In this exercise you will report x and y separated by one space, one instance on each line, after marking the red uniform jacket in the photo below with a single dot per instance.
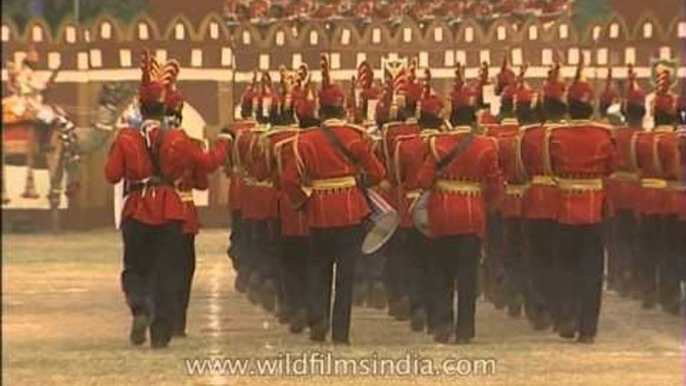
389 136
266 172
410 152
293 222
197 179
234 171
581 154
654 195
540 201
672 151
506 127
510 159
462 190
623 186
129 159
249 154
320 165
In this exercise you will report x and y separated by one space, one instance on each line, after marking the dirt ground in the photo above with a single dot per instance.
65 323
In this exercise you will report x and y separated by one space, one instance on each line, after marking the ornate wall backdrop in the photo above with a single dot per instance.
217 64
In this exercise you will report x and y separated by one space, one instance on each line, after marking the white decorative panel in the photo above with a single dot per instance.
533 32
179 31
106 30
438 34
196 58
37 33
143 31
227 56
125 58
449 58
96 58
214 30
54 60
469 34
264 62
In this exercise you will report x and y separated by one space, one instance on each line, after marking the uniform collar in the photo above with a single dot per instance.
334 122
664 128
510 121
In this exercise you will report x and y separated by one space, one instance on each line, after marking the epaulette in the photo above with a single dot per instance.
555 125
510 121
427 133
457 130
406 137
389 125
530 126
280 143
664 128
279 129
358 128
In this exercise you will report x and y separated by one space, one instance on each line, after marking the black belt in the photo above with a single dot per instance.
138 186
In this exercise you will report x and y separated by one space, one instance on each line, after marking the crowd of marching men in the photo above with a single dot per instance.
440 199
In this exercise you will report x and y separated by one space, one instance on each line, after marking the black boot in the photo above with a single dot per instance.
139 328
418 320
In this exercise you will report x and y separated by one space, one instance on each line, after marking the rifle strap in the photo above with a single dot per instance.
460 148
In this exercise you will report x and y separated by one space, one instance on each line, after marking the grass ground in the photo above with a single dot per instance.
65 323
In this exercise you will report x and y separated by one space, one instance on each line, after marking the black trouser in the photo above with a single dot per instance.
493 271
235 250
542 267
651 253
150 279
456 258
678 237
514 262
625 245
186 282
263 249
248 258
295 252
670 266
581 255
338 246
397 266
420 276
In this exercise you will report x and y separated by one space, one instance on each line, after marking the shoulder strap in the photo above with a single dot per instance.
338 145
461 146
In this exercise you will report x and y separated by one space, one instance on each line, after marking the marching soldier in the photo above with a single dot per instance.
655 277
581 153
615 266
409 153
509 156
329 160
501 290
403 122
239 238
672 152
264 281
623 188
540 200
151 162
193 178
266 172
463 175
295 245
